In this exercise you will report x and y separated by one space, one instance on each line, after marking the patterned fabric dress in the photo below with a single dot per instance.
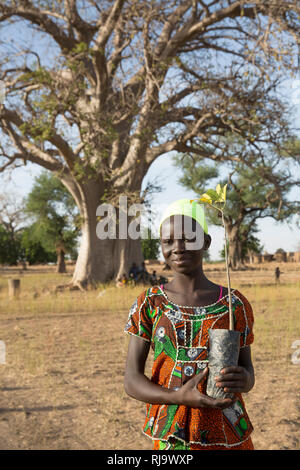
179 338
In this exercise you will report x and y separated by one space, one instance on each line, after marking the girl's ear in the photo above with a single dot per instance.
207 241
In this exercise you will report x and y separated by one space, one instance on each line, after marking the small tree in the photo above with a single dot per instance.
12 219
10 248
32 249
217 200
54 211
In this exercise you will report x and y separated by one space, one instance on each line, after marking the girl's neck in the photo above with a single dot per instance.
189 283
193 291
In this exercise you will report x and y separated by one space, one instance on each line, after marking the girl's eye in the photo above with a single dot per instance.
190 240
166 241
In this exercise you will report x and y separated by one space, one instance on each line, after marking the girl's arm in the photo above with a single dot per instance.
138 386
238 379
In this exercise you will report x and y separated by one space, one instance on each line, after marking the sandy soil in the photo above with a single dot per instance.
62 387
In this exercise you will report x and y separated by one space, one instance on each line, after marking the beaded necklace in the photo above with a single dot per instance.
189 306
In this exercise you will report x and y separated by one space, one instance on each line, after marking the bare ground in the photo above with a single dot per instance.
62 386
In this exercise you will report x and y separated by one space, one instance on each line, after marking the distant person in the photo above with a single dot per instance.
277 275
162 280
143 274
153 278
133 272
122 281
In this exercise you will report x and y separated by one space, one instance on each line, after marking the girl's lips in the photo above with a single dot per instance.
182 260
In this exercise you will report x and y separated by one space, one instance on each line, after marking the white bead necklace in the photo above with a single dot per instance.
194 307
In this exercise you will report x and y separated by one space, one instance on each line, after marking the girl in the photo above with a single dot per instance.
174 319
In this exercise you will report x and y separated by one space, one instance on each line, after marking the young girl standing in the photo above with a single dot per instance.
174 320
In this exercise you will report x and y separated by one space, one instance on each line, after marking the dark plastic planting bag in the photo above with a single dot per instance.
224 348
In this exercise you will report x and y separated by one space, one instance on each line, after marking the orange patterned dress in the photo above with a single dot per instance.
179 338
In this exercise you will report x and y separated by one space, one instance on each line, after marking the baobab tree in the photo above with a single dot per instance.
125 81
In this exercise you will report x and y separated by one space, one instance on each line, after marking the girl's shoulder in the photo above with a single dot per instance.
152 295
239 301
244 306
241 297
143 312
235 293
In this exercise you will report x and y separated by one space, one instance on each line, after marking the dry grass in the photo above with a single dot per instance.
62 384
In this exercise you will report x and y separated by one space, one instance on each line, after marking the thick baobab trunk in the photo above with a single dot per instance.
234 251
102 260
234 256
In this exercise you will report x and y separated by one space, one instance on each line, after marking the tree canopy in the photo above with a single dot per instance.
55 217
21 241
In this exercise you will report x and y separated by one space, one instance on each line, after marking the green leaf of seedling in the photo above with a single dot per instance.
213 194
221 192
218 189
224 193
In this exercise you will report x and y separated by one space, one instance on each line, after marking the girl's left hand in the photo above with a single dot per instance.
235 379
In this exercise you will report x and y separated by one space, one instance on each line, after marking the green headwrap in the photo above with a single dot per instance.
186 207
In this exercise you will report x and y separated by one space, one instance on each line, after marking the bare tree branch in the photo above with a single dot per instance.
39 18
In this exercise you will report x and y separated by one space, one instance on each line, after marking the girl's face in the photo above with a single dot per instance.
183 243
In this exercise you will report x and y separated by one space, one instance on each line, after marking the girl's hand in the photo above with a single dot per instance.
235 379
190 396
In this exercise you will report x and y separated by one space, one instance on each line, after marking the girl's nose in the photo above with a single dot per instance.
179 245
